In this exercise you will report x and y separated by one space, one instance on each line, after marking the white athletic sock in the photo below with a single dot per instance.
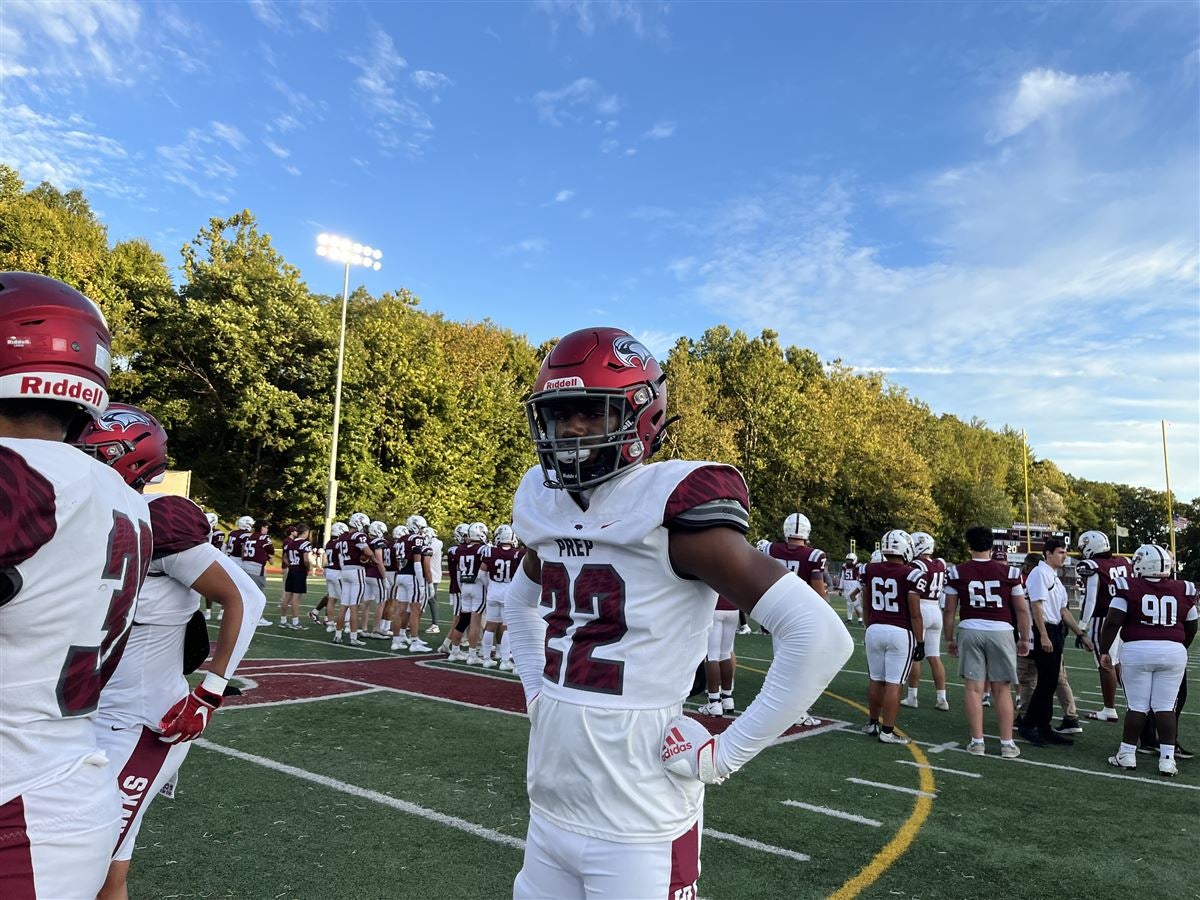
295 620
941 695
912 693
1128 748
489 640
283 620
1108 712
714 698
1166 751
505 653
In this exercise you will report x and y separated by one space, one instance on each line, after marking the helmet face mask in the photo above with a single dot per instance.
378 529
415 523
360 521
598 407
922 543
460 532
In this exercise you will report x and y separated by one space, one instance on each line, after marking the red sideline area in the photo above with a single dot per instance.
290 679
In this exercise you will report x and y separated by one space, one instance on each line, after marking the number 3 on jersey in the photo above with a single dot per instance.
594 616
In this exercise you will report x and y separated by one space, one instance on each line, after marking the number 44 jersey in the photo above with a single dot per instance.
74 546
624 634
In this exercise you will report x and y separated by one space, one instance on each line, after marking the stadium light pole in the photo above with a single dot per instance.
348 253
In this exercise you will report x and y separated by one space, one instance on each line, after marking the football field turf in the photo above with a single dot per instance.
356 773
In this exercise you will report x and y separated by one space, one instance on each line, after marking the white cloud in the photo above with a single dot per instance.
661 131
399 123
196 163
631 151
281 17
291 170
432 82
68 153
229 134
281 152
527 246
555 106
67 41
1044 94
643 19
563 196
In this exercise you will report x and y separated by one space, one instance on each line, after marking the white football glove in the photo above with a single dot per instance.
430 591
688 750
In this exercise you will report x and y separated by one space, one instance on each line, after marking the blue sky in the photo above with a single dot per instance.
997 205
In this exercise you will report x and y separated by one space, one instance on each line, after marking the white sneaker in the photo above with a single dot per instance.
296 626
976 748
506 666
809 721
891 738
419 646
208 615
711 709
264 623
871 728
745 629
445 648
943 705
1167 767
727 704
911 704
330 628
455 655
473 659
490 664
397 644
1010 751
337 637
383 636
355 642
433 629
1123 760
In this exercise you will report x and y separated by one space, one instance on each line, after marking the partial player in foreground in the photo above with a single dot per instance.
617 548
147 717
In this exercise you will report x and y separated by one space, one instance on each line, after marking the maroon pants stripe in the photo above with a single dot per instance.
16 857
685 864
138 775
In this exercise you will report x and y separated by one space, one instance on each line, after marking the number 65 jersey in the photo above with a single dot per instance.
74 546
624 634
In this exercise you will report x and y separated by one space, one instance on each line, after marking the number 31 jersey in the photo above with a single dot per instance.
74 547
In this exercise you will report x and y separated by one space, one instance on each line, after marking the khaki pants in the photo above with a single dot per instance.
1027 681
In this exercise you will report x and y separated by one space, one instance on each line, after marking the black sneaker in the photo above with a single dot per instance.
1050 736
1151 749
1181 753
1069 726
1033 736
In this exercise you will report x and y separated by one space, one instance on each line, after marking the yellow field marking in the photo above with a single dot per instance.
902 839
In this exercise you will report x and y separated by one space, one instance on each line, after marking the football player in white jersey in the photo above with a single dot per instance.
74 547
616 550
147 716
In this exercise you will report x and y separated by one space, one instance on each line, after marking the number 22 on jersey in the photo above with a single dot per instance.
592 612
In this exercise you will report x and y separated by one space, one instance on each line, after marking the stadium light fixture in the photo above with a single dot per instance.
349 253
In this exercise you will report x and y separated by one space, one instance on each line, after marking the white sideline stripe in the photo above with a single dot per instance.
326 643
301 700
403 806
893 787
836 813
909 762
755 845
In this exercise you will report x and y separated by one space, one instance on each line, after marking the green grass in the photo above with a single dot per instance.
238 829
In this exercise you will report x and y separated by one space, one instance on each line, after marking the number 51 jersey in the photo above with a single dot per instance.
74 546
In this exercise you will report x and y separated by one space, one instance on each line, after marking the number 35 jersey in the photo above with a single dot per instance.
624 634
74 546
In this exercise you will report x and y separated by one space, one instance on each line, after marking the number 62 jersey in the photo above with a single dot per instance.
624 634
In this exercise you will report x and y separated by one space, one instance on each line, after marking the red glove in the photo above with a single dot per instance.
187 718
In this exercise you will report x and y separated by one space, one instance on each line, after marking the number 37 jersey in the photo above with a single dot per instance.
74 546
623 630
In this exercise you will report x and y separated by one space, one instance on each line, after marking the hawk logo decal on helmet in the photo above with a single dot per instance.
627 348
118 419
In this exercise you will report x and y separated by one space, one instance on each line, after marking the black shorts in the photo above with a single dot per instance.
296 582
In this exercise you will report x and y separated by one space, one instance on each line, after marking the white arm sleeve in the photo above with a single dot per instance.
1089 602
811 645
526 631
253 602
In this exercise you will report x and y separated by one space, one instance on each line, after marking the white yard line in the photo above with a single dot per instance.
836 813
751 844
301 700
893 787
909 762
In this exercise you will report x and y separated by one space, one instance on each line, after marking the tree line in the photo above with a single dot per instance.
238 362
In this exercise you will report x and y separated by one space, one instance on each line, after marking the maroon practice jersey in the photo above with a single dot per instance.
333 557
257 548
385 553
1097 576
501 562
1155 608
725 603
887 585
985 588
353 547
452 564
295 553
469 561
807 562
216 537
932 580
234 545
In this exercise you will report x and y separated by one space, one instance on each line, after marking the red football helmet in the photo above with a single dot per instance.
597 372
54 343
130 440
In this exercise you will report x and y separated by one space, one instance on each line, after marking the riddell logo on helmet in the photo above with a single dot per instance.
555 384
66 387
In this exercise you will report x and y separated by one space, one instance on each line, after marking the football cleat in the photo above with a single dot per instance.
490 664
1167 767
942 704
337 637
397 644
745 629
727 704
355 642
419 646
506 666
871 728
474 660
711 709
890 737
808 721
433 629
1123 761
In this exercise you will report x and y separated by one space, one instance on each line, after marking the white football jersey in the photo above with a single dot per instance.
624 636
149 677
74 546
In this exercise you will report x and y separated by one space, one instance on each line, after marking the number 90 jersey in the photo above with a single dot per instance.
623 630
74 547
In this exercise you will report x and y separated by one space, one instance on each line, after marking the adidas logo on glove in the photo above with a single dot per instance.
688 750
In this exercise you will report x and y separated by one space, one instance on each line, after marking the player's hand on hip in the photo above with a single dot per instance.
188 717
690 751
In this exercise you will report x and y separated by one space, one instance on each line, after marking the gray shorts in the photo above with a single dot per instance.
987 655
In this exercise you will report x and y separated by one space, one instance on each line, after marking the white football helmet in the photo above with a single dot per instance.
400 531
852 557
415 523
378 529
477 532
762 546
1152 561
245 523
212 519
922 543
360 521
505 535
337 529
1093 543
876 556
460 532
428 535
897 542
797 525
